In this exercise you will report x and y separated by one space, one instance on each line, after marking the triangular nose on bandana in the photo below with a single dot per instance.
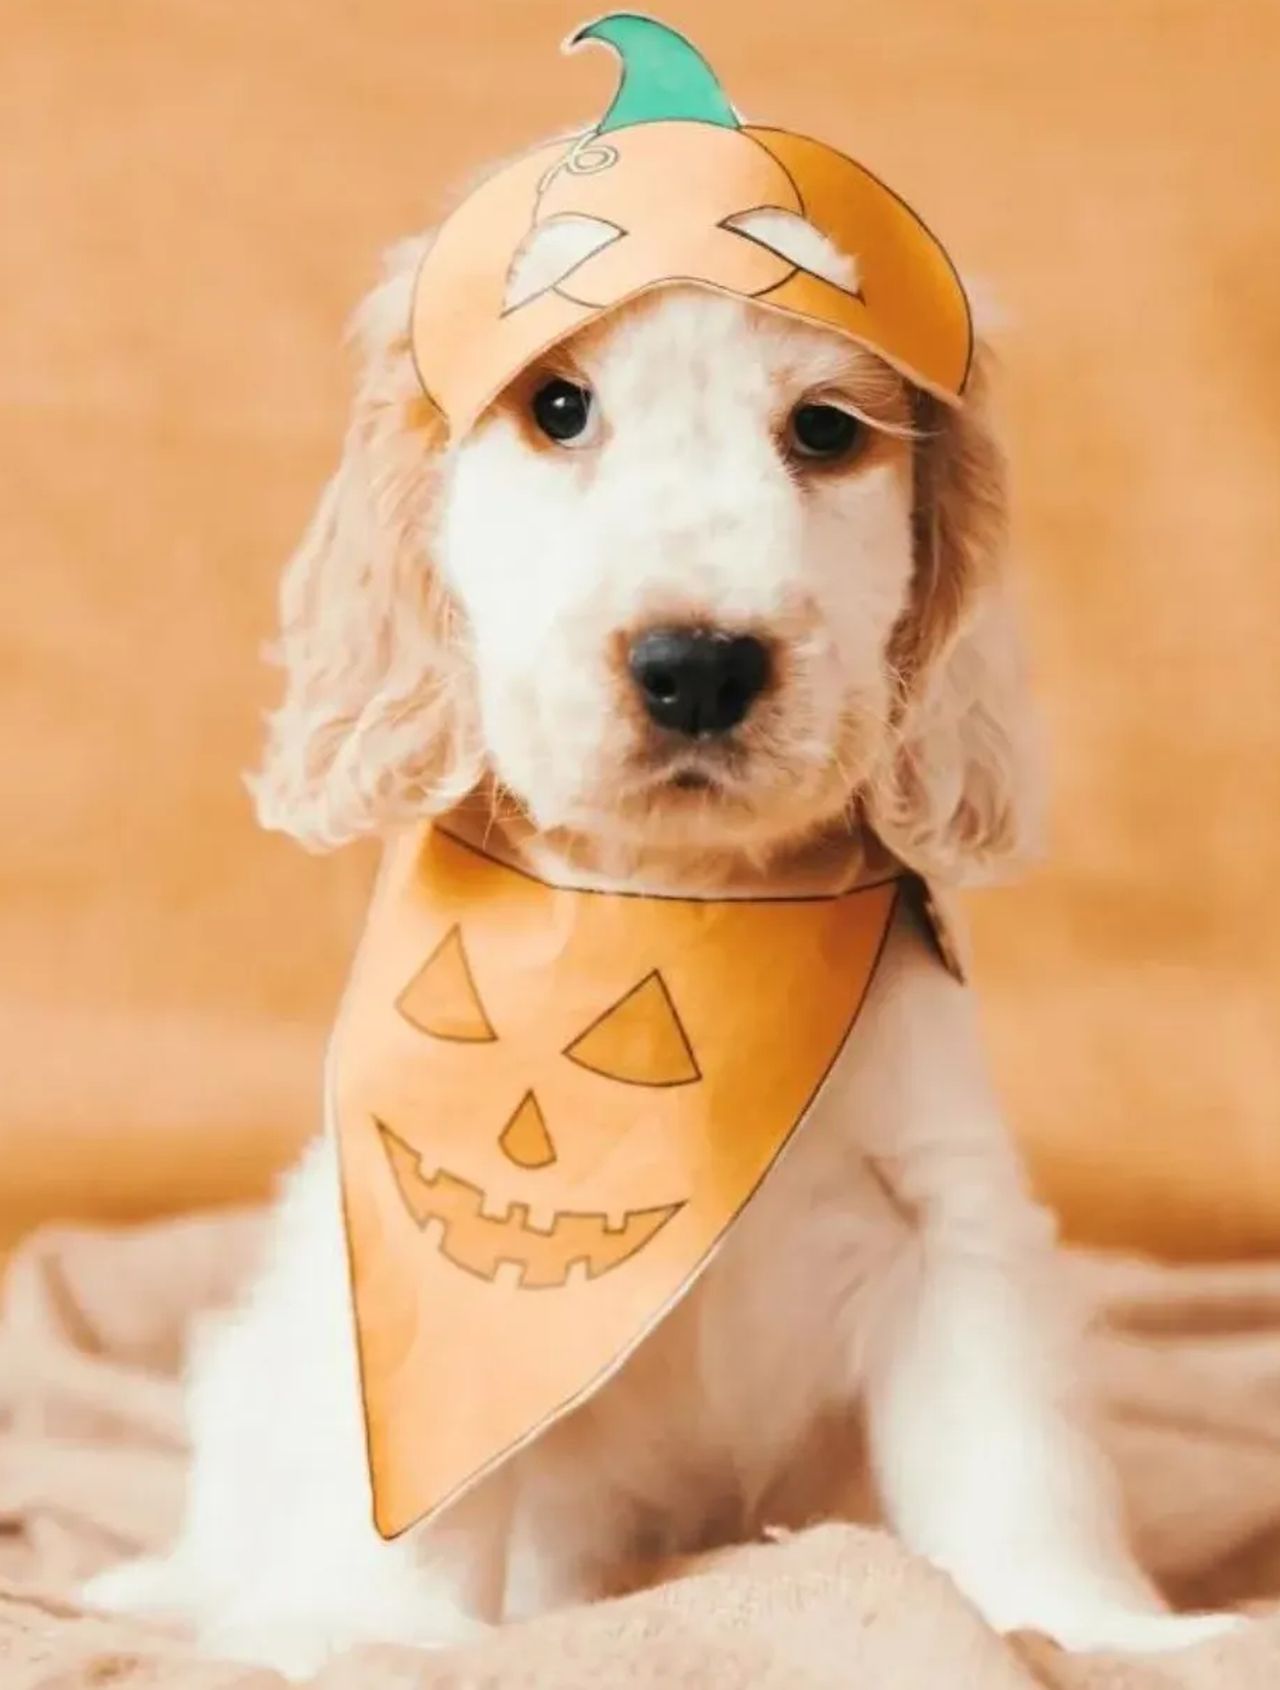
551 1105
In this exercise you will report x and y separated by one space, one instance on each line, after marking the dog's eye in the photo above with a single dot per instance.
564 412
823 431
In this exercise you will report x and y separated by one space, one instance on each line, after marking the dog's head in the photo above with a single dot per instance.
706 578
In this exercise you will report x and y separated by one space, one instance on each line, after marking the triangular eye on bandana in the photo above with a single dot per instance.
672 187
441 999
551 1105
639 1040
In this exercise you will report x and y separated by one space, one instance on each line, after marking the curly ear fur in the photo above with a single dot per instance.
359 741
953 798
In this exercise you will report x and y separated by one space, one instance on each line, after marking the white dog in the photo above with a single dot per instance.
461 620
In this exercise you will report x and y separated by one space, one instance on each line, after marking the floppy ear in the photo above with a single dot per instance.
377 722
955 797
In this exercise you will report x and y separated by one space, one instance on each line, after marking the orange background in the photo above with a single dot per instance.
193 197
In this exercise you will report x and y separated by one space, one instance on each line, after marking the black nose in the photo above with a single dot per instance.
697 681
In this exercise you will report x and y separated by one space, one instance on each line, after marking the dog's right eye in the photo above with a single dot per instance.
824 432
564 412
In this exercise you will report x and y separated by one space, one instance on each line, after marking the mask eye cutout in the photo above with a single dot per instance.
639 1040
551 252
441 999
800 243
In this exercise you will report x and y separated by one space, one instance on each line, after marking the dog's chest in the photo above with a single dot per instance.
706 1428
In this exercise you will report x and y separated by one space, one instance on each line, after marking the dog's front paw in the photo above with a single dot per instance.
144 1589
1121 1632
295 1641
295 1652
298 1646
1087 1618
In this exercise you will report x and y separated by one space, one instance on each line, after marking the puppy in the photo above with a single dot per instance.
458 622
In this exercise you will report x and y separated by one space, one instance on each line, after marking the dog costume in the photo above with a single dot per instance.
552 1102
661 191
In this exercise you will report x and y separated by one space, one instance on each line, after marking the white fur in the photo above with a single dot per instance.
893 1266
691 515
552 250
795 238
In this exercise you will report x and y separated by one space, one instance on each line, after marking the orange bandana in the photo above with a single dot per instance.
551 1105
666 189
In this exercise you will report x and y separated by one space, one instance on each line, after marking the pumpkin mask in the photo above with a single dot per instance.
669 188
551 1104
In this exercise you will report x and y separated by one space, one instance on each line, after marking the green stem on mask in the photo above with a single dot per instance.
664 78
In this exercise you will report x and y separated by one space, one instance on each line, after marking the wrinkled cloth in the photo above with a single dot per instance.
92 1455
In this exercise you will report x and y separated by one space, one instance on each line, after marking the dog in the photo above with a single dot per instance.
463 620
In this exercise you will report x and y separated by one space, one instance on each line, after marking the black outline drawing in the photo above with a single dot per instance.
545 1162
896 872
489 1036
515 1224
622 1079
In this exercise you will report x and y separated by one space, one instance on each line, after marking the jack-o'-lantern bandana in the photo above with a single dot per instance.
551 1105
668 188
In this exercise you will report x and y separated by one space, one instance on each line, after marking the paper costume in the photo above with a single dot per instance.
662 191
551 1105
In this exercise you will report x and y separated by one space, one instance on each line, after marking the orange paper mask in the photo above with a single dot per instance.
662 191
550 1106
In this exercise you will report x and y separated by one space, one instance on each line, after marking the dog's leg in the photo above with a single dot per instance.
984 1462
278 1562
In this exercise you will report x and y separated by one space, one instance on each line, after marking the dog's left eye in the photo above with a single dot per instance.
565 412
823 431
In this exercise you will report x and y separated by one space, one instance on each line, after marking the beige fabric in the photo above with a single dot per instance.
91 1461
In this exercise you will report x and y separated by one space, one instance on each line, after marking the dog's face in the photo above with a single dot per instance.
704 581
681 548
